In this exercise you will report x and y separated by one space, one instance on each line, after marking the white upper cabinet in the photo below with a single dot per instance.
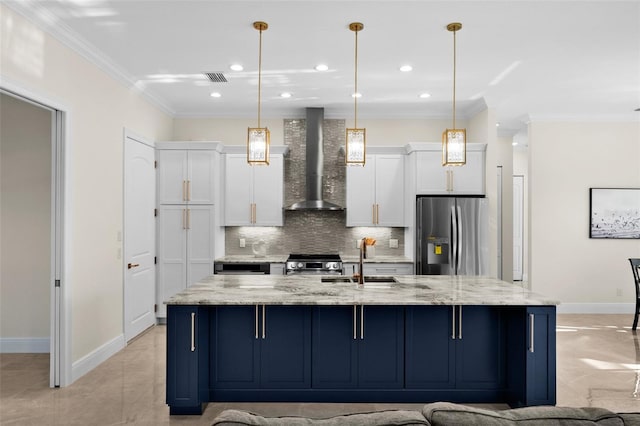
254 195
433 178
375 192
186 176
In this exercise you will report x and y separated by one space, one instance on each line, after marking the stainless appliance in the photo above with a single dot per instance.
235 268
320 264
452 236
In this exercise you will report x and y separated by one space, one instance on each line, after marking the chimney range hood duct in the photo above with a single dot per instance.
314 167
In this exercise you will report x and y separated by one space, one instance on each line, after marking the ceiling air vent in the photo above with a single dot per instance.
216 77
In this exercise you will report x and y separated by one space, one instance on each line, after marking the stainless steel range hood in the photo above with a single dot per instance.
314 171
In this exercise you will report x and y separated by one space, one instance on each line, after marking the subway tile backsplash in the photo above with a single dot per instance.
313 231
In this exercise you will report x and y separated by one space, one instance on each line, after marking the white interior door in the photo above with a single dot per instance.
139 237
518 227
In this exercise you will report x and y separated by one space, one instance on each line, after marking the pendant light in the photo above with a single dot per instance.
355 147
258 138
454 141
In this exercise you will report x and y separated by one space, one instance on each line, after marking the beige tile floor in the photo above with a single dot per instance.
598 365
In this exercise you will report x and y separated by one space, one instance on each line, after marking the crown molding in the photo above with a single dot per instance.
631 117
46 21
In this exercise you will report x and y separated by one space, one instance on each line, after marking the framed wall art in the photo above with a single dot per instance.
614 212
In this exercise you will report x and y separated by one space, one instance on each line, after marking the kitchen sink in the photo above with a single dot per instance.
379 279
335 280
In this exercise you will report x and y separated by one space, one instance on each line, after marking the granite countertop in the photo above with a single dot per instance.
309 290
282 258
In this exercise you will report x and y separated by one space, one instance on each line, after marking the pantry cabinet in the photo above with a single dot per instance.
254 195
375 191
188 176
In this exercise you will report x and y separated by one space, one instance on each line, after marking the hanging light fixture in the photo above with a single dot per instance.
258 138
356 138
454 141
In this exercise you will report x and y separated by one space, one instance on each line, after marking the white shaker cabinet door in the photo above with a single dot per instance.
361 193
238 194
172 176
172 253
201 177
469 179
390 190
431 175
199 243
268 192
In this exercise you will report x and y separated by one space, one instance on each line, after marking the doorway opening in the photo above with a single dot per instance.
33 313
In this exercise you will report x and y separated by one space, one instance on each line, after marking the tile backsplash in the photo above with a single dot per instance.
313 231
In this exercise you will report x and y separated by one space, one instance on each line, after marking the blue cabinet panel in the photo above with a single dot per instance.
186 343
430 347
541 356
235 358
334 354
285 352
481 348
381 348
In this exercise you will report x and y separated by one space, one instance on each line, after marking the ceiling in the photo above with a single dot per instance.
569 60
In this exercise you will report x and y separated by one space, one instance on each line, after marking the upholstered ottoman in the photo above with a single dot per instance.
376 418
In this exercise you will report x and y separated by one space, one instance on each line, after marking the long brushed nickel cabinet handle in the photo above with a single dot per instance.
256 317
355 321
532 321
193 331
264 317
361 322
460 322
453 322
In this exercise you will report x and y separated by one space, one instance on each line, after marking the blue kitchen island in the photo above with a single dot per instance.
418 339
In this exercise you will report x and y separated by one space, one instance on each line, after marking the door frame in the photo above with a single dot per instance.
60 339
129 134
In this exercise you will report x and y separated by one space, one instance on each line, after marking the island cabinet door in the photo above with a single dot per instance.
541 356
480 348
430 347
285 347
334 347
235 341
187 351
381 347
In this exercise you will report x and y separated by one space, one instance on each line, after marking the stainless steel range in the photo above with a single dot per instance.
319 264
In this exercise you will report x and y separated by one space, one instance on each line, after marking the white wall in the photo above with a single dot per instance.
565 160
99 108
25 225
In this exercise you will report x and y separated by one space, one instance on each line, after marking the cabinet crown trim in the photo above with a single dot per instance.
437 146
208 145
242 149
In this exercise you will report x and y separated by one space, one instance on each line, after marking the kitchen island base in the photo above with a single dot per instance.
360 353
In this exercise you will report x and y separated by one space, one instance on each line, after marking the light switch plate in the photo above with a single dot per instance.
393 243
243 243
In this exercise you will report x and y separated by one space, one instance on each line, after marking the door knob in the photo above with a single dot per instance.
132 265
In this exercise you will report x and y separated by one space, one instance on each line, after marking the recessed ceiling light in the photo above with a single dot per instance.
236 67
425 95
285 95
497 124
406 68
215 95
356 95
321 67
514 143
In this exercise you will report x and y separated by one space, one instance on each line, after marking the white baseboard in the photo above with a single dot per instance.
90 361
24 345
596 308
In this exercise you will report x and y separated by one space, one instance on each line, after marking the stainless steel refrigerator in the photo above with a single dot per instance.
452 236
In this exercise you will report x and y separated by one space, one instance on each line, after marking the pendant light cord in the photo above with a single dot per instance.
454 79
260 76
355 95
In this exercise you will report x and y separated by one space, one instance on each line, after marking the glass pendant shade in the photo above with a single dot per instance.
258 140
454 147
355 147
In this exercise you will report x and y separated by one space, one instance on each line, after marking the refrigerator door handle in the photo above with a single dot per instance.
454 237
460 239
